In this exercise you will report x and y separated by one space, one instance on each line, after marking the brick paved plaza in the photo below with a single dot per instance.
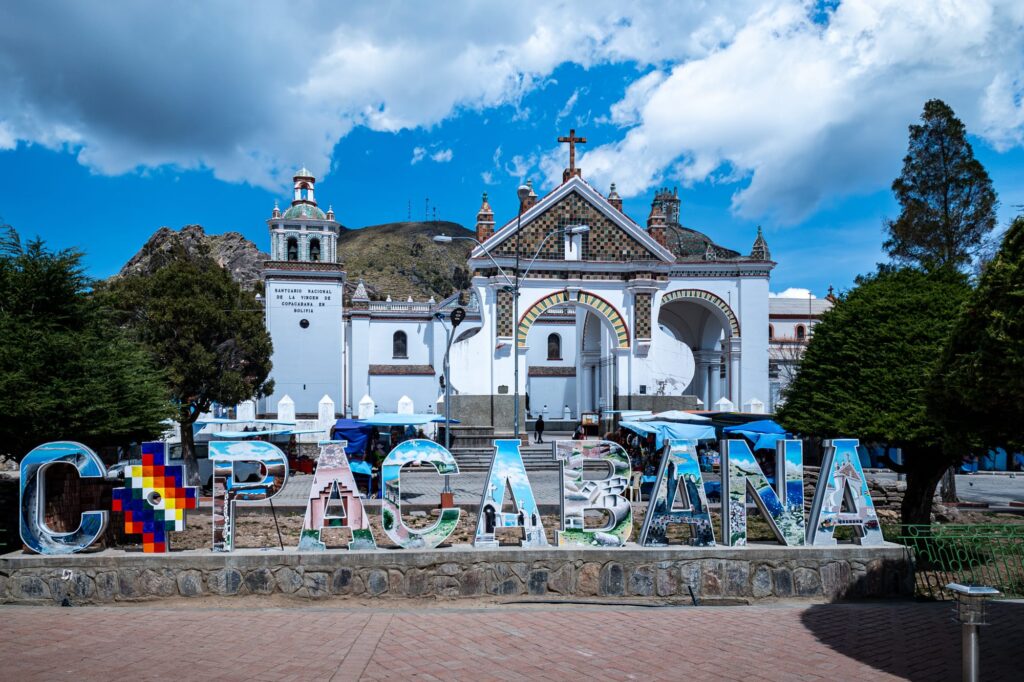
252 640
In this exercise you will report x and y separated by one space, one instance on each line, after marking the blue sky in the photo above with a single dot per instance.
763 113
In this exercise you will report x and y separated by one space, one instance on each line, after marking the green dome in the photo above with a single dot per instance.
304 211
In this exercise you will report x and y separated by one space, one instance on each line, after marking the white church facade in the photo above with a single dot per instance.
611 315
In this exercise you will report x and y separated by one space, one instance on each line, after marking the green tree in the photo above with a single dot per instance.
204 329
978 394
67 372
947 204
867 367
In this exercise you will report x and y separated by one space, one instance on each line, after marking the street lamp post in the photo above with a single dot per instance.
514 282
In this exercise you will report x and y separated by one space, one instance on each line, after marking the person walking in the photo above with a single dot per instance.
538 429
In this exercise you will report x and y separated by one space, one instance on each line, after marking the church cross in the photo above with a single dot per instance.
572 140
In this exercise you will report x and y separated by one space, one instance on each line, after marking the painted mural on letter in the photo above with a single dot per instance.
679 481
507 471
408 452
581 492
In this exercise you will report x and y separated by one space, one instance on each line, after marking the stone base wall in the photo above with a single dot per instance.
716 573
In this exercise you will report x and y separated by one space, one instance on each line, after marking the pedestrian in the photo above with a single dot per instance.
538 429
579 433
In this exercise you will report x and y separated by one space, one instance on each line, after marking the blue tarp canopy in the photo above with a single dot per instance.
764 434
395 419
250 434
671 431
355 434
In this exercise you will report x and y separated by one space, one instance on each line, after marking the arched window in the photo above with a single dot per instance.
771 332
314 249
554 347
293 248
801 333
399 345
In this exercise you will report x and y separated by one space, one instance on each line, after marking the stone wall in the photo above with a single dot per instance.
670 573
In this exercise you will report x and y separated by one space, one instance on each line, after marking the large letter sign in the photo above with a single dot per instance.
842 498
34 532
604 494
154 499
409 452
679 478
507 470
333 483
242 470
740 473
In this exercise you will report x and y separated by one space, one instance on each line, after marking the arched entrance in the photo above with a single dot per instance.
570 340
708 325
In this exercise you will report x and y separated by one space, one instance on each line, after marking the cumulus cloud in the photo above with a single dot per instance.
442 156
798 106
793 292
417 155
806 110
250 91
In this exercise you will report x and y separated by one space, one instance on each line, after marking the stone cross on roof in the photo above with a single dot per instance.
572 140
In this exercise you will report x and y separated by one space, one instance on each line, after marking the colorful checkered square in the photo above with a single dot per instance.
154 498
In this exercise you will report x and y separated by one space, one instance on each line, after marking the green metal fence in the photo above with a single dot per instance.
979 554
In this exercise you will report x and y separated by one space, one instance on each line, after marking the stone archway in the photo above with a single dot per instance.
708 298
584 298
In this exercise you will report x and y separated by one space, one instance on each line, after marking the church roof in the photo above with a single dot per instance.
689 244
304 211
595 199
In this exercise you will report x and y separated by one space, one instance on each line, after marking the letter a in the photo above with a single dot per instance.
333 482
842 484
678 477
507 470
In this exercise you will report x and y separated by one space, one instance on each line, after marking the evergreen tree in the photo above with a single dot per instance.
67 372
979 393
947 204
866 370
204 329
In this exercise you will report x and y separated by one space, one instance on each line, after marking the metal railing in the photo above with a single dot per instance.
969 554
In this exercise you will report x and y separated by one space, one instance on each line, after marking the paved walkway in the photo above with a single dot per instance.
246 641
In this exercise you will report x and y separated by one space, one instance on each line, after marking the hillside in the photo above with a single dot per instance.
401 260
395 259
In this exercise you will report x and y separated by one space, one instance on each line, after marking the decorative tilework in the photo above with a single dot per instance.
153 498
605 241
734 323
505 303
642 316
585 298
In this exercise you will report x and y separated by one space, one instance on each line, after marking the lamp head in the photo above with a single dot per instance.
579 229
523 192
442 239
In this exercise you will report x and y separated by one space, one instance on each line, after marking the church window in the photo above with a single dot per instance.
314 249
801 333
399 345
293 248
554 347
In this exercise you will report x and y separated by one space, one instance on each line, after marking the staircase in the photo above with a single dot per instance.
473 447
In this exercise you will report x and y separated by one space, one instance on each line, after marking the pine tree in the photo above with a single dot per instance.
946 198
866 370
67 372
979 393
204 329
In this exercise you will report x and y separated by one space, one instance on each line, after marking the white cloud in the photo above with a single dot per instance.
417 155
442 156
488 178
569 104
751 90
808 111
793 292
136 85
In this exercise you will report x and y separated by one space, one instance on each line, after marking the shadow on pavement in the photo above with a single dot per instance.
920 641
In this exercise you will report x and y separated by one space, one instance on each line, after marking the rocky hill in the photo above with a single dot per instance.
394 259
231 250
402 260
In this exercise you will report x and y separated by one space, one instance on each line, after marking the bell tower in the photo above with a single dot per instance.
304 285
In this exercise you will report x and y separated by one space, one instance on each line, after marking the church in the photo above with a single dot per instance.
611 314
